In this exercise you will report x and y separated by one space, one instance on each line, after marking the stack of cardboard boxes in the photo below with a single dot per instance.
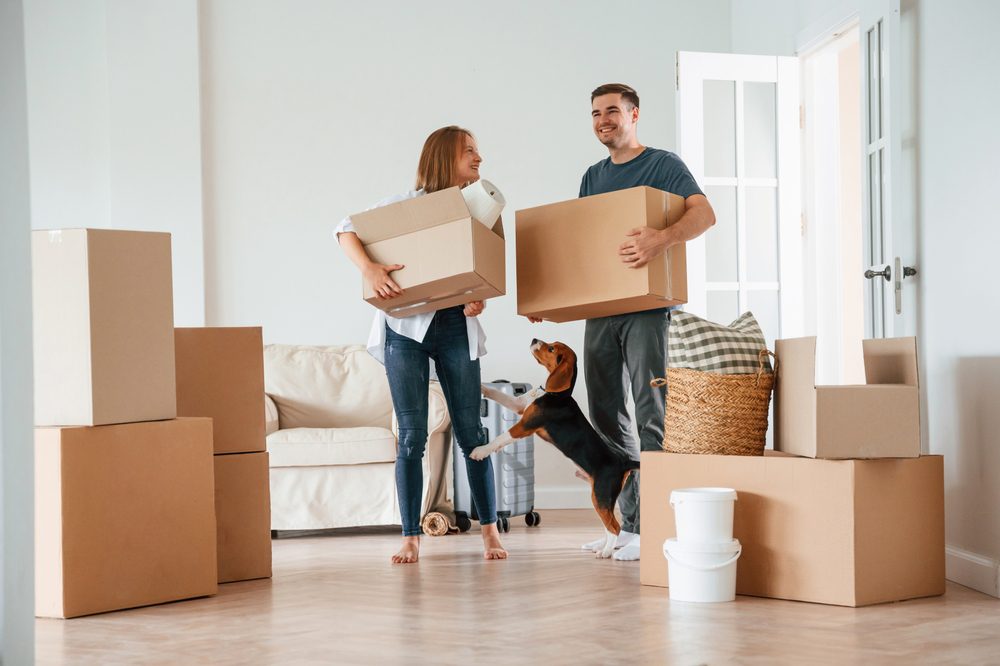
220 373
845 511
125 490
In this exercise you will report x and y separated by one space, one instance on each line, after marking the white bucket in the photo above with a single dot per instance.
702 572
703 515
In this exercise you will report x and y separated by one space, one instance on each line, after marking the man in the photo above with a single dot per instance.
629 350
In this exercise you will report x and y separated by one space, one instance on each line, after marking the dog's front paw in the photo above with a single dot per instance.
480 453
604 553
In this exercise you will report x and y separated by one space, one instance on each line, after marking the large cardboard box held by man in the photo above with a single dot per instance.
879 419
844 532
124 516
568 266
449 258
103 327
243 516
220 374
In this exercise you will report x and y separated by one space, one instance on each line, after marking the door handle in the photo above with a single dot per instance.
884 273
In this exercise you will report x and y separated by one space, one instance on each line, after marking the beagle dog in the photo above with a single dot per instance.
552 414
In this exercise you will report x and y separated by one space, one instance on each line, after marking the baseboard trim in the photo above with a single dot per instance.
972 570
563 497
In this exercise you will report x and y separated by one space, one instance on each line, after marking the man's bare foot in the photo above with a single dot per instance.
408 552
492 548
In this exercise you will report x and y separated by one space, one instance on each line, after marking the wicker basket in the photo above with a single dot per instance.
709 412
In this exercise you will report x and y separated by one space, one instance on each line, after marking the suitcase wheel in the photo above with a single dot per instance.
532 519
462 521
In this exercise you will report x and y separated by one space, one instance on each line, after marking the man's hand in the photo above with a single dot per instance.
377 275
643 245
474 308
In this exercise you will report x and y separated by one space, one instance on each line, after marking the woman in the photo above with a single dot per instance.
451 338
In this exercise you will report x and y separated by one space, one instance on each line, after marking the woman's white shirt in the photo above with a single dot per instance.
415 326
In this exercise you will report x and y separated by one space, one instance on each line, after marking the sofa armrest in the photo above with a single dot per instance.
438 419
270 416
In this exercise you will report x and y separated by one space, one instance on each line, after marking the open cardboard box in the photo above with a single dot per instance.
880 419
449 257
844 532
568 266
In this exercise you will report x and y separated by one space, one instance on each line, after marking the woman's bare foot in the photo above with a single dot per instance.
492 548
408 552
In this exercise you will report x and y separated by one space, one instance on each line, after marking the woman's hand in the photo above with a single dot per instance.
377 275
534 320
474 308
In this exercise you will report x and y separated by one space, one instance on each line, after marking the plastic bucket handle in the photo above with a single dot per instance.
702 567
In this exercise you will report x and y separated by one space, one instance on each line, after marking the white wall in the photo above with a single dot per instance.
17 622
958 144
950 146
315 110
113 97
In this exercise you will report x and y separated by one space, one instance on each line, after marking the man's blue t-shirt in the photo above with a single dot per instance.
652 167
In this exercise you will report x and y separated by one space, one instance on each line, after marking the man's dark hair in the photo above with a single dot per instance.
628 93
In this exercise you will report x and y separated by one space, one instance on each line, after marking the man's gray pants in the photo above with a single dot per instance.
620 353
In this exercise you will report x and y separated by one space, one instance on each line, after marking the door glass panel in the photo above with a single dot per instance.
764 305
720 128
723 306
874 82
762 234
759 130
720 240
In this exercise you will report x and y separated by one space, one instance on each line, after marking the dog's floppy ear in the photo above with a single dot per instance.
564 375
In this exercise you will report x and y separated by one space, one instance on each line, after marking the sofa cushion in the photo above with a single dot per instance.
316 447
327 387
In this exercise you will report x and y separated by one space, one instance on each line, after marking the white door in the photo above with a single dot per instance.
890 247
738 133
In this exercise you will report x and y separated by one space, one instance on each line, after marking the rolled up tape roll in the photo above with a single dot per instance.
484 201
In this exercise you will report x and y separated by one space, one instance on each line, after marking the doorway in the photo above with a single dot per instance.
832 204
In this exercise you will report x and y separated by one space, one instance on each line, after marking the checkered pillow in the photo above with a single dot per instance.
699 344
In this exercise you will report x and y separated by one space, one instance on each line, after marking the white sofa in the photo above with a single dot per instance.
331 436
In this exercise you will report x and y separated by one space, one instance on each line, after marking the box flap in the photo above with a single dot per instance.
795 396
891 361
410 215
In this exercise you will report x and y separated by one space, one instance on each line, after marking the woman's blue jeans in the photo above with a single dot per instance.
407 365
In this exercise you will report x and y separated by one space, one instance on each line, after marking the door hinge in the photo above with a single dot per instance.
802 223
677 72
802 116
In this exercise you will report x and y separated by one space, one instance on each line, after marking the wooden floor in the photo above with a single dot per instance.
336 599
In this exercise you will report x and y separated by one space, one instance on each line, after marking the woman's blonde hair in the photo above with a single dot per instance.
436 169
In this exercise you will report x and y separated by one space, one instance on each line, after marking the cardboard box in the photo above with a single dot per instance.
449 257
844 532
124 516
243 516
220 373
568 266
880 419
103 327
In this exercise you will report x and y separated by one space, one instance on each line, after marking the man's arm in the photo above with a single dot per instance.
644 244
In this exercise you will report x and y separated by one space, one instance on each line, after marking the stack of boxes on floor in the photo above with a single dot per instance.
220 373
125 501
845 511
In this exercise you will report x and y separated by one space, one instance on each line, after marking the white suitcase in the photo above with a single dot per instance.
513 467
